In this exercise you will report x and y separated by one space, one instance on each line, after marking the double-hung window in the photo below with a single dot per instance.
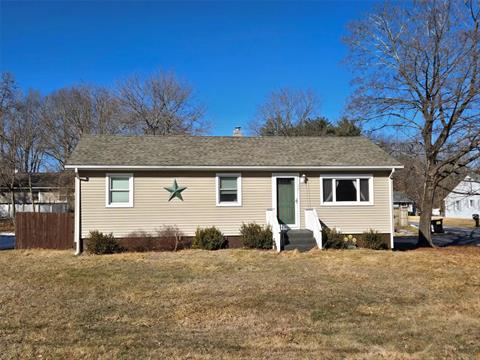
119 190
346 190
229 189
458 205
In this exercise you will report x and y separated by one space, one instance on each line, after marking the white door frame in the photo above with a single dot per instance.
296 178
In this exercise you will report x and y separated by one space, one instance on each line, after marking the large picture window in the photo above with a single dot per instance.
119 190
346 190
229 189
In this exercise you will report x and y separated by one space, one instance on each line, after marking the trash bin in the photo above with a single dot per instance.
476 217
437 226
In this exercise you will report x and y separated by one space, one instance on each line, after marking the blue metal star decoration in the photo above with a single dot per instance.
175 190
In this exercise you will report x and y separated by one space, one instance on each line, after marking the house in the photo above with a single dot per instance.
130 183
464 200
49 190
402 201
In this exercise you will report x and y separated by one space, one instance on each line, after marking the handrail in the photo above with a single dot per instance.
272 221
312 222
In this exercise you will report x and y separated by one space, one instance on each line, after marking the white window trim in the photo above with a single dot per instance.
239 190
296 177
130 191
345 177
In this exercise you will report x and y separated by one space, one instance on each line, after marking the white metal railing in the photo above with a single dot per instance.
272 221
312 222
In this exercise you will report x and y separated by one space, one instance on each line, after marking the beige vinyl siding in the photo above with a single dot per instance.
350 219
151 208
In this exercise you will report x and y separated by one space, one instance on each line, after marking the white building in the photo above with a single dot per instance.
464 200
50 194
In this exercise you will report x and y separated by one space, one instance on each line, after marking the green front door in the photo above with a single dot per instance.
286 200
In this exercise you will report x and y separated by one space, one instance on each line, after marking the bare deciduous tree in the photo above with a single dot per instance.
418 71
283 110
28 128
72 112
9 136
161 105
295 113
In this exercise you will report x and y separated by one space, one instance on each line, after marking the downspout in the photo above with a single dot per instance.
390 190
77 233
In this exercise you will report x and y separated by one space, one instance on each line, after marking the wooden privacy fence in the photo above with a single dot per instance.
44 230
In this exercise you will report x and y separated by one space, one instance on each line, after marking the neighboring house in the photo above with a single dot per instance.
464 200
401 200
139 183
49 194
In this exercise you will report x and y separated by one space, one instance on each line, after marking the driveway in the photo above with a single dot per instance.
453 236
7 241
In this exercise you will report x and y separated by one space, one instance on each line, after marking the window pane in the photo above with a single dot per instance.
364 190
119 197
119 183
228 183
346 190
327 190
228 195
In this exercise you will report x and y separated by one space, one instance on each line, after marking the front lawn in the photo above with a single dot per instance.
422 304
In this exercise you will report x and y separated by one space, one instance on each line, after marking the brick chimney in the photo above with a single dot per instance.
237 131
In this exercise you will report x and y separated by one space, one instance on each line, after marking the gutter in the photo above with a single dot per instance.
77 233
390 190
229 167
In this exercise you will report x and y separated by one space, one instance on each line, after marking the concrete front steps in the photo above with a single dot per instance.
299 239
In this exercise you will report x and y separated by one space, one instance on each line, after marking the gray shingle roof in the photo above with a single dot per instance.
400 197
228 151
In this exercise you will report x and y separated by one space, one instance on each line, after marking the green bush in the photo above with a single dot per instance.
333 239
373 240
99 243
256 237
209 239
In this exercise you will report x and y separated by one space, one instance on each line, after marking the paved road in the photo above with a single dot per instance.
452 236
7 242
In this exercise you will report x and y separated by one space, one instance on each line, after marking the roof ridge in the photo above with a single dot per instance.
225 136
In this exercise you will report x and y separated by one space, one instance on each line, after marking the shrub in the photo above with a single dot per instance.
209 239
373 240
170 233
99 243
333 239
256 237
139 241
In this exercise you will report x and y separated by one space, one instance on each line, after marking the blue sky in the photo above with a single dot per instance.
232 53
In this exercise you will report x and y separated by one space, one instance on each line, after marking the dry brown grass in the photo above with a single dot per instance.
469 223
356 304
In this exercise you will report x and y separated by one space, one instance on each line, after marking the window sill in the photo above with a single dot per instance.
225 204
119 205
347 204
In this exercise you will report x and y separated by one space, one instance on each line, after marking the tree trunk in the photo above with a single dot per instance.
31 191
12 202
425 230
